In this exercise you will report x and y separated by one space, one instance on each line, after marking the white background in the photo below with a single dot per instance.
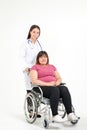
63 26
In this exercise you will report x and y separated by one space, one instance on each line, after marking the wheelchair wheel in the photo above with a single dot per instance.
30 107
61 109
46 123
74 122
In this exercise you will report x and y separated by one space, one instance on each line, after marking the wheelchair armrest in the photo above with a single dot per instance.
62 83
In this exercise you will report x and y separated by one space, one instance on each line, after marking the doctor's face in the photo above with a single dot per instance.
35 33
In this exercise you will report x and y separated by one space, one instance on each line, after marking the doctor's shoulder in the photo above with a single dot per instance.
24 43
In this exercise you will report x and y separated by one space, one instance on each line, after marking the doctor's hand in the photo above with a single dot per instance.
27 70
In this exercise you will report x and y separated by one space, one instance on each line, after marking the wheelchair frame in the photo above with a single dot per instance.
33 101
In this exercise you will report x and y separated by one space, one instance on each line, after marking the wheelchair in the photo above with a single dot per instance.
34 100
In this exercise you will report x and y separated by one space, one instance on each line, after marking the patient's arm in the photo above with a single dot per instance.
58 78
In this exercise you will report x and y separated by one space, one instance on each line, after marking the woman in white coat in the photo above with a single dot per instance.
29 51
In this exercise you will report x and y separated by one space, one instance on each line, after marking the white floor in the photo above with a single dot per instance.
15 120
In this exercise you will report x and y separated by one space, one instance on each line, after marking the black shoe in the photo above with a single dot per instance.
38 116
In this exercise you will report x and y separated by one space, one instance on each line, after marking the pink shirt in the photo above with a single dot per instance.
45 73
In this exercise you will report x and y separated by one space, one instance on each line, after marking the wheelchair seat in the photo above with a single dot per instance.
45 101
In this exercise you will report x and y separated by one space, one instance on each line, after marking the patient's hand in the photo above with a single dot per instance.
57 83
52 83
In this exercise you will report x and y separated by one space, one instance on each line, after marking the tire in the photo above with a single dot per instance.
30 107
46 124
74 122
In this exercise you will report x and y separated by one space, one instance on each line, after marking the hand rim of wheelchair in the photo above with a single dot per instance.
30 111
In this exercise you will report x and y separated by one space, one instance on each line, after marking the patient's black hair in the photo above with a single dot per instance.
40 54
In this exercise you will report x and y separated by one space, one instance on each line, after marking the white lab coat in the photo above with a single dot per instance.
28 53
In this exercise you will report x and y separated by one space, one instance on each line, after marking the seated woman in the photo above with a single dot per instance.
47 77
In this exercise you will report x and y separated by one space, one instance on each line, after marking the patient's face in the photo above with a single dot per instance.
43 60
